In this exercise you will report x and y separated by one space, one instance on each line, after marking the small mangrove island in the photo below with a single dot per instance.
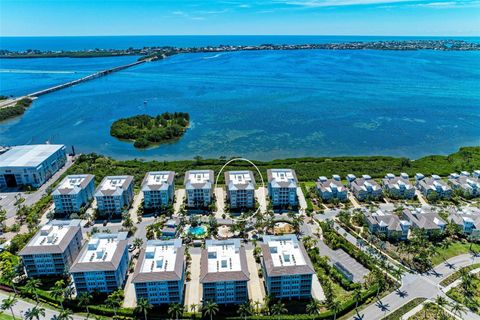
146 130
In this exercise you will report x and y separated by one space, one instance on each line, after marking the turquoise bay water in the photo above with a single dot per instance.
261 105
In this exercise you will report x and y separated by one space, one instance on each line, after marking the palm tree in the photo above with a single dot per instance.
257 304
335 306
313 308
8 276
84 300
35 313
114 300
441 302
458 309
8 304
31 287
137 243
64 315
193 309
210 308
58 291
175 310
279 308
245 309
143 306
357 295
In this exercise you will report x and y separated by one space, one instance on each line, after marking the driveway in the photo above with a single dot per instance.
261 195
256 288
220 201
179 199
421 198
302 202
193 290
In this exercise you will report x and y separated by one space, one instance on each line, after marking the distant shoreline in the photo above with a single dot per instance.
156 53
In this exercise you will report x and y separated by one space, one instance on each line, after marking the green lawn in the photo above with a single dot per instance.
4 316
455 249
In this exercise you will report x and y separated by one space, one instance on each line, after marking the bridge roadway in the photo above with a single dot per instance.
34 95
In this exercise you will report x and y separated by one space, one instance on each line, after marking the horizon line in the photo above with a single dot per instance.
235 35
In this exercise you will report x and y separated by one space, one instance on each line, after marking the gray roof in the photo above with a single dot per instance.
73 227
326 185
28 155
290 183
391 221
242 275
117 191
464 182
247 185
423 219
394 183
175 275
111 265
64 190
200 185
154 187
360 184
273 271
432 183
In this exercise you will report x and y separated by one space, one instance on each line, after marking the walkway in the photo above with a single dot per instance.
220 201
418 285
193 294
179 198
256 289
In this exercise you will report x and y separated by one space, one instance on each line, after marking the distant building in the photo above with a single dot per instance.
398 187
364 188
223 272
199 188
53 249
158 189
30 165
160 272
332 189
240 189
74 192
388 224
433 186
282 187
114 194
468 185
424 219
102 264
287 268
468 221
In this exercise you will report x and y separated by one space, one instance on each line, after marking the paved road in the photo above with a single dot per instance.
21 306
417 285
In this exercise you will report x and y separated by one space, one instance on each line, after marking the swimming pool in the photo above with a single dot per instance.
197 231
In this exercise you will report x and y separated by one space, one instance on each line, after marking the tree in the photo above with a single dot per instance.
58 291
279 308
84 300
63 315
245 309
441 302
210 308
114 300
35 313
8 275
31 287
458 309
137 243
143 306
313 308
8 304
357 295
175 310
193 309
335 306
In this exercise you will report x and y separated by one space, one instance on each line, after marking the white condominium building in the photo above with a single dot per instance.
53 249
158 189
114 194
282 187
240 189
160 272
199 188
73 193
102 264
287 268
223 272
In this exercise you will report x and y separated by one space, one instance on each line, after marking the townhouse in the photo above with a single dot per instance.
465 184
433 187
332 189
424 219
364 188
387 224
398 187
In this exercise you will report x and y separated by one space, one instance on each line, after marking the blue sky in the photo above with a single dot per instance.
222 17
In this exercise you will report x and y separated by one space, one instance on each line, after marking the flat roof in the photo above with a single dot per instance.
103 252
28 155
158 180
282 178
113 185
199 179
73 184
243 180
53 237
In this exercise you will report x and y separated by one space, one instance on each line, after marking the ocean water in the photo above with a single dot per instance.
263 105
